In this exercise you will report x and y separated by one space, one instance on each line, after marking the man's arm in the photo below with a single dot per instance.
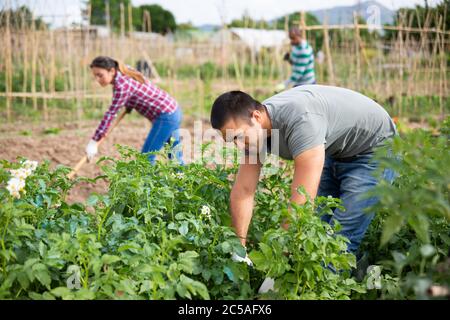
307 173
241 198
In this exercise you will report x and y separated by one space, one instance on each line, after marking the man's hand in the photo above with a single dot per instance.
235 257
267 285
91 149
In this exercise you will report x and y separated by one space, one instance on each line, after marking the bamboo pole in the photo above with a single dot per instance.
34 60
130 19
71 76
52 77
444 88
357 52
200 93
238 74
8 62
147 21
411 70
434 58
303 24
441 77
25 56
86 49
122 20
326 42
122 31
43 90
108 25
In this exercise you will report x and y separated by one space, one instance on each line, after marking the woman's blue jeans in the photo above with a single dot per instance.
163 129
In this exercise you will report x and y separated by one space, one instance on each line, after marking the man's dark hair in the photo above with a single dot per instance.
232 105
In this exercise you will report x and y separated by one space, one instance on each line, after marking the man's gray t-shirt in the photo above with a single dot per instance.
347 122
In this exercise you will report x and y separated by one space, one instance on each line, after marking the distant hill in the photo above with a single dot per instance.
208 27
344 14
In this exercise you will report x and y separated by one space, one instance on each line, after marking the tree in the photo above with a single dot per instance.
418 16
247 22
99 12
162 20
19 17
294 18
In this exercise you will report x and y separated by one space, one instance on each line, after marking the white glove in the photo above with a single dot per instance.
235 257
267 285
91 149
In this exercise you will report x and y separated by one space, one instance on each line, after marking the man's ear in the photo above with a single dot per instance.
257 115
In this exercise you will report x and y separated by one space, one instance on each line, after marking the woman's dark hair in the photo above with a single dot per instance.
233 104
108 63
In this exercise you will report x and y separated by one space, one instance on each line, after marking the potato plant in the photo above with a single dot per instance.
164 232
410 236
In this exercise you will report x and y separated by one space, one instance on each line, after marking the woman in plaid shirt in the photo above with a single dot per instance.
133 91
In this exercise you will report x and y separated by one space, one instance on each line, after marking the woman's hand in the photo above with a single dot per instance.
91 149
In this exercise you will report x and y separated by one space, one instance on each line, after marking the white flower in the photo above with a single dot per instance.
206 211
32 165
21 173
15 185
178 175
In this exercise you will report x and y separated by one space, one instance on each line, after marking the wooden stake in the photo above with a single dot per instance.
8 62
303 24
357 52
326 42
34 60
130 18
43 90
25 57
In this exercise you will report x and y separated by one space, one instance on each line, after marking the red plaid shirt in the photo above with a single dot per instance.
147 99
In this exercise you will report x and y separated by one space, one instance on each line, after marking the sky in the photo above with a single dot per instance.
199 12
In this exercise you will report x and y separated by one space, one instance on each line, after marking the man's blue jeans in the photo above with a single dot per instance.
349 180
163 129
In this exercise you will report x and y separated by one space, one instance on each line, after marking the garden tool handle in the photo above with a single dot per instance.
83 160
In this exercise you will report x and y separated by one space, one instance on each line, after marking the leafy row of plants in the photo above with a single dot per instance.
164 232
409 238
161 232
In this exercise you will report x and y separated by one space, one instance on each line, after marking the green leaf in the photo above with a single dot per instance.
226 247
23 280
392 225
109 259
229 273
186 261
85 294
92 200
420 225
63 292
259 260
184 228
41 273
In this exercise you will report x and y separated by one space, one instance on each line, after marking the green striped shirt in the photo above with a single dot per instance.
302 57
